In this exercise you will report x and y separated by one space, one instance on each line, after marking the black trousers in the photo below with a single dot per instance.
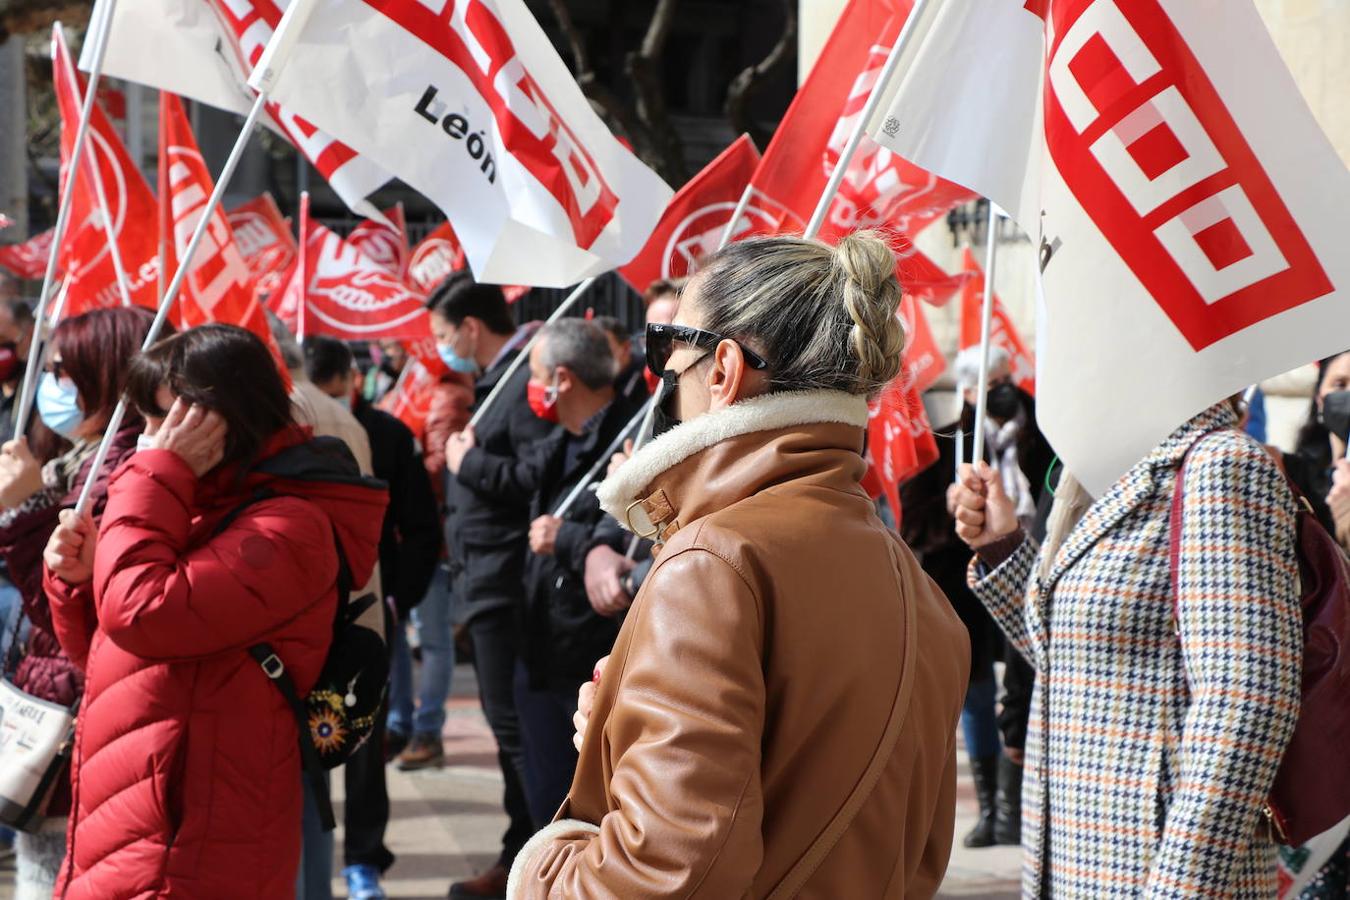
366 812
550 756
495 640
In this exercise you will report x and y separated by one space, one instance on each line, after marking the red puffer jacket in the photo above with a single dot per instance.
187 769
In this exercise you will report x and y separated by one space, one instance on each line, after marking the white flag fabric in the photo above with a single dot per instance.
205 50
468 103
1190 212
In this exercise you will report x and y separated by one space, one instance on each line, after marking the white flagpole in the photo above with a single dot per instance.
860 130
524 353
986 329
600 463
960 443
100 38
737 214
203 223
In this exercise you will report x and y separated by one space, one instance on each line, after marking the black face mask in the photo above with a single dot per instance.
1005 402
1335 414
665 417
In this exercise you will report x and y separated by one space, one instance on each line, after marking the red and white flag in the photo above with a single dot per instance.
335 289
263 236
924 362
205 50
218 286
84 250
467 102
696 219
880 189
385 243
900 443
29 259
1003 333
1188 208
410 400
435 258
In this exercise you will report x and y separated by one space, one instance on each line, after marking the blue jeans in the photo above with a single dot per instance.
979 723
432 619
11 611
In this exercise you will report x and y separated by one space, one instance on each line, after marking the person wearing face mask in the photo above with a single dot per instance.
779 711
1318 466
487 497
16 336
88 362
410 543
222 535
571 383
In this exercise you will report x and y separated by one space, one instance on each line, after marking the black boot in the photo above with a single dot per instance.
1008 804
985 771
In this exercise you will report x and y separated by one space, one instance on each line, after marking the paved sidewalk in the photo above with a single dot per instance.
447 823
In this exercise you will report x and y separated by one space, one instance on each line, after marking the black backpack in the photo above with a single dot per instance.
338 715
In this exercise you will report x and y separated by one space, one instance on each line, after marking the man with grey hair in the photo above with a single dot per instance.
572 371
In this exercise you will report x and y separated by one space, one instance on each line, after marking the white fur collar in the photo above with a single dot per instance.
767 413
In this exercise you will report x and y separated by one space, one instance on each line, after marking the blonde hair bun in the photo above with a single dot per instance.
871 297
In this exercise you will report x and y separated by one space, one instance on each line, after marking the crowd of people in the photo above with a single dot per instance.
709 668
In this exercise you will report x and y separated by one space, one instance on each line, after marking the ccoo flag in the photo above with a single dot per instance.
468 103
1188 209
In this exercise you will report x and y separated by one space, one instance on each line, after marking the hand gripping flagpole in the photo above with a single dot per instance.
170 295
524 353
28 388
986 329
860 129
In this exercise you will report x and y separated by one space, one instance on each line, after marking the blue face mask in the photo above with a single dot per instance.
455 362
58 403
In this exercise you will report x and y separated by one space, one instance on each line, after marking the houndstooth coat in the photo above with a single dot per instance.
1149 756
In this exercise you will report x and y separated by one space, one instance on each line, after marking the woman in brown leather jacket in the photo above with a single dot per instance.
779 712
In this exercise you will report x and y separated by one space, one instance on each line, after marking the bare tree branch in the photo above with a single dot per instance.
580 61
744 85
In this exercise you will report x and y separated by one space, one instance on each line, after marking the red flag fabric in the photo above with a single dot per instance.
924 362
697 216
264 237
410 399
385 245
335 289
131 205
900 443
29 259
218 287
1004 333
880 189
439 254
922 277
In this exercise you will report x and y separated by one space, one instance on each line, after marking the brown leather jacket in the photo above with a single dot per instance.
781 629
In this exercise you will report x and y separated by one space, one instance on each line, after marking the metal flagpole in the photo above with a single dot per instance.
860 130
524 353
986 329
100 38
736 215
203 223
600 463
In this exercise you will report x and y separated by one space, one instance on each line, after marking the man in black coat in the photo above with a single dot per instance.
487 497
410 546
572 382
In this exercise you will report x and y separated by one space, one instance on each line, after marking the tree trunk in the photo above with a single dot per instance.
744 85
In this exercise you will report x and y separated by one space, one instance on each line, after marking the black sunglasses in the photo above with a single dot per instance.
662 338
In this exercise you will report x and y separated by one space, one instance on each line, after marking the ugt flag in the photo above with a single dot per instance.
696 219
880 188
28 259
468 103
85 249
1002 331
1189 211
264 237
335 289
205 50
385 243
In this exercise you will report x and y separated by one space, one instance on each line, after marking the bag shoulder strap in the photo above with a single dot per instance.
806 866
275 669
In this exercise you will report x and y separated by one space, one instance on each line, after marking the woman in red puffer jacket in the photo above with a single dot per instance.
186 767
86 367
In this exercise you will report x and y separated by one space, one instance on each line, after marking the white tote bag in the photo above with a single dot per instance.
35 744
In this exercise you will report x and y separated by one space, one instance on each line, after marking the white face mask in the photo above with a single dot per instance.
145 442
